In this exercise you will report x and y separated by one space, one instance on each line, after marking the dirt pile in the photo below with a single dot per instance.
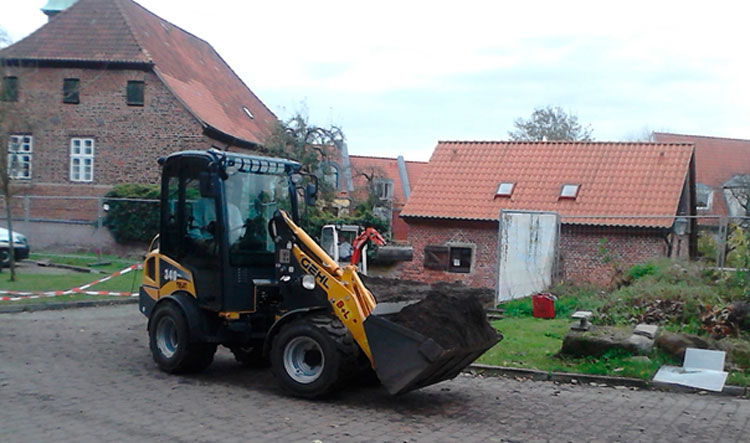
395 290
452 320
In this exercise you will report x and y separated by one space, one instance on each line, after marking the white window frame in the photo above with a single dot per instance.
80 158
21 150
505 189
569 191
699 188
383 188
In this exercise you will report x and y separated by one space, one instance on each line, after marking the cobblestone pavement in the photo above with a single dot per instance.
87 375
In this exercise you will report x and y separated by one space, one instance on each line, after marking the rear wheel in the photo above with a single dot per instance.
169 339
311 356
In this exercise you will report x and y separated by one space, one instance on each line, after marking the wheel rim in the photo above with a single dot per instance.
166 337
303 360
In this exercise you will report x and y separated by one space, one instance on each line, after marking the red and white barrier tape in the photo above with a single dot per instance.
16 295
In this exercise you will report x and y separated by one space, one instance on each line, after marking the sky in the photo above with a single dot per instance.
399 76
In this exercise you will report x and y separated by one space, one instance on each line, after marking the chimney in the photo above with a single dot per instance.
53 7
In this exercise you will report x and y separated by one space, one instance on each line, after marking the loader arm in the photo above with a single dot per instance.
351 301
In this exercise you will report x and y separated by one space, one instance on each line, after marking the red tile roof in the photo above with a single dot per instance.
616 179
121 31
717 160
385 168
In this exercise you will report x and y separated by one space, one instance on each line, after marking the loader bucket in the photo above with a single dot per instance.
405 360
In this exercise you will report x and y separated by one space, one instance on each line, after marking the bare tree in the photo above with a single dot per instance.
4 38
13 121
313 146
550 124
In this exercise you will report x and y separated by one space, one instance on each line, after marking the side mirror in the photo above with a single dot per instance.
206 185
311 194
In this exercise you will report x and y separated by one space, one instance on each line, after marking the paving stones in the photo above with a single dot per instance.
101 385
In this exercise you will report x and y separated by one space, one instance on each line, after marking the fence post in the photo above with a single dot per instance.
721 250
26 206
99 225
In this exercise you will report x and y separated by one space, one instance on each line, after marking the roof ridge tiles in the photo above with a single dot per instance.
703 136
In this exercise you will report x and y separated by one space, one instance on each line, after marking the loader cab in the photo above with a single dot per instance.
214 221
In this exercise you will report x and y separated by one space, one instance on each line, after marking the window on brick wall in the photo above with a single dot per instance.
448 258
20 149
135 91
82 159
460 260
10 89
383 188
71 90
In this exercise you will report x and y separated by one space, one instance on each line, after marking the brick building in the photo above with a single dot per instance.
105 88
390 180
617 205
721 165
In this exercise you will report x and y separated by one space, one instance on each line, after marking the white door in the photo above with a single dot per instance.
527 253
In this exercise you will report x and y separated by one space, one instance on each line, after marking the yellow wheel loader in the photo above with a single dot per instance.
231 267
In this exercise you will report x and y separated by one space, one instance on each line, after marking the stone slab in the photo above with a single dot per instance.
646 330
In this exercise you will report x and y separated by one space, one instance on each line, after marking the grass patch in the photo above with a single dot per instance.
44 282
533 343
30 281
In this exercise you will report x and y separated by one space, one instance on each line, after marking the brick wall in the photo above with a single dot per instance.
128 139
584 255
594 254
481 236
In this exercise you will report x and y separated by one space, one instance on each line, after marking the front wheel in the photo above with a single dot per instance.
309 355
169 340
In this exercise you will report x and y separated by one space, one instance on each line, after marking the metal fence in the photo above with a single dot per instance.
535 248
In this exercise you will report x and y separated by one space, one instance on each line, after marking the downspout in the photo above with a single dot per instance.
347 166
404 177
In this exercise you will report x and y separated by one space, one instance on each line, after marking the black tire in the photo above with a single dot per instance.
312 356
4 258
251 357
169 339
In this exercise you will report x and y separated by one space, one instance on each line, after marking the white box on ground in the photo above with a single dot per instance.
701 368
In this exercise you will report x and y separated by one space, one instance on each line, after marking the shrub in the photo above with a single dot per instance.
641 270
133 221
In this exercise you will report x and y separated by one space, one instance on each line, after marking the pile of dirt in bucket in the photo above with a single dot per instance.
453 320
396 290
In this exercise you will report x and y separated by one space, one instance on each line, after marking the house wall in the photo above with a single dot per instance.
587 254
482 236
128 139
600 255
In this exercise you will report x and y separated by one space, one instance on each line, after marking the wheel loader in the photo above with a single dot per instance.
230 266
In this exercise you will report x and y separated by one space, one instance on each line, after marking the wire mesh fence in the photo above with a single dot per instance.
601 249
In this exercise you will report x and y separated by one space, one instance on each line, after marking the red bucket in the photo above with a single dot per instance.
543 305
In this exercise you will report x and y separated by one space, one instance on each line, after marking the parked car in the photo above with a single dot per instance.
20 246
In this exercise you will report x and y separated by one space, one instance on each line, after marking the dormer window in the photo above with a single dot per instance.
569 191
505 189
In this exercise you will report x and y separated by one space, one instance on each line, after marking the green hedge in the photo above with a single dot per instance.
133 221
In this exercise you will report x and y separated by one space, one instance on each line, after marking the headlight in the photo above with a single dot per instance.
20 239
308 282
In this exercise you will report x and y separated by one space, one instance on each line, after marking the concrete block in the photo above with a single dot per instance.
646 330
642 343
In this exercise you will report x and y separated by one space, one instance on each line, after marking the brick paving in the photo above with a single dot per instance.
87 375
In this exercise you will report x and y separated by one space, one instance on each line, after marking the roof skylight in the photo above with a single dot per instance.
247 111
505 189
569 191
